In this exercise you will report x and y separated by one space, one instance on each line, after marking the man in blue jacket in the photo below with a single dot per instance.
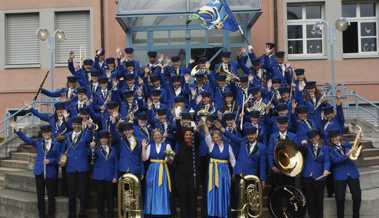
345 173
77 166
283 134
315 171
104 173
45 167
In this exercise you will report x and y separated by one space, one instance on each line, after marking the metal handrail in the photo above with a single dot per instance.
8 117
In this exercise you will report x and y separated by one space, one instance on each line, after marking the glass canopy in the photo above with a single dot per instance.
163 25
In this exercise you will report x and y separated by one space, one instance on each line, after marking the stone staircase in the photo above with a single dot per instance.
18 197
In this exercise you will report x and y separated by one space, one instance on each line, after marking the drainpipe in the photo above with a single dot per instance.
102 21
276 32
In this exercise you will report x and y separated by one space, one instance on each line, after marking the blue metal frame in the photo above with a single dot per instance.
187 44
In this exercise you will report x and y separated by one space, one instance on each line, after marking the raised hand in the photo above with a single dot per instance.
144 144
338 97
13 124
71 55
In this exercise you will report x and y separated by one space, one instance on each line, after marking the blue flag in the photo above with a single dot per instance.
218 15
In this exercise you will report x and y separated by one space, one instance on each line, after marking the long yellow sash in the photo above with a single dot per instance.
163 163
214 163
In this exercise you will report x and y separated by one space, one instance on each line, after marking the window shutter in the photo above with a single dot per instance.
22 45
76 27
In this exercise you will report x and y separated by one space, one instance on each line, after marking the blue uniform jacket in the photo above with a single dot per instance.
314 166
342 167
52 155
254 163
78 153
52 120
105 168
128 160
338 122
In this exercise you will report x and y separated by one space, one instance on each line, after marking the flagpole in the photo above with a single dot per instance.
243 34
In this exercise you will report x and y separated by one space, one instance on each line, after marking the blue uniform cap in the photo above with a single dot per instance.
299 72
129 50
110 60
59 106
88 62
45 128
152 54
282 119
226 54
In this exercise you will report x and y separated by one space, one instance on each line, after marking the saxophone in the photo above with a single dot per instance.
129 194
357 145
251 198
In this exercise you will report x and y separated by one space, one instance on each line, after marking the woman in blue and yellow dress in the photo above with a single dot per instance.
158 181
219 177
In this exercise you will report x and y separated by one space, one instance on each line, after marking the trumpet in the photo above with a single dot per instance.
357 145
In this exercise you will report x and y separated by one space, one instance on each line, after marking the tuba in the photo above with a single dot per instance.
129 194
357 145
287 202
288 159
251 198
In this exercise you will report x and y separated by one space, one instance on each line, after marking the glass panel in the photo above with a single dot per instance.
295 47
350 38
313 11
178 37
314 46
140 38
215 37
349 10
234 4
313 32
368 29
367 9
146 6
368 45
294 12
160 37
235 37
295 32
198 36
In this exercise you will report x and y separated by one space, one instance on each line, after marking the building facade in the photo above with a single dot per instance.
91 24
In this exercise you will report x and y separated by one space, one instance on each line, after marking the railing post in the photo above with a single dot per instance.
356 104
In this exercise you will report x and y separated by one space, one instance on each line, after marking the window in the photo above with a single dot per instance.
361 35
22 45
303 38
76 26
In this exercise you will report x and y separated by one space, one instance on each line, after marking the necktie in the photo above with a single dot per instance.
315 151
308 124
106 151
76 136
104 93
47 146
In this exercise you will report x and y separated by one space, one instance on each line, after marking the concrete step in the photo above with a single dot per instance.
2 182
369 205
368 161
24 205
26 148
5 170
369 178
18 164
370 152
23 156
21 181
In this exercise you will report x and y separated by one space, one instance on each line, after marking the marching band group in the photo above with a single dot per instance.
185 131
